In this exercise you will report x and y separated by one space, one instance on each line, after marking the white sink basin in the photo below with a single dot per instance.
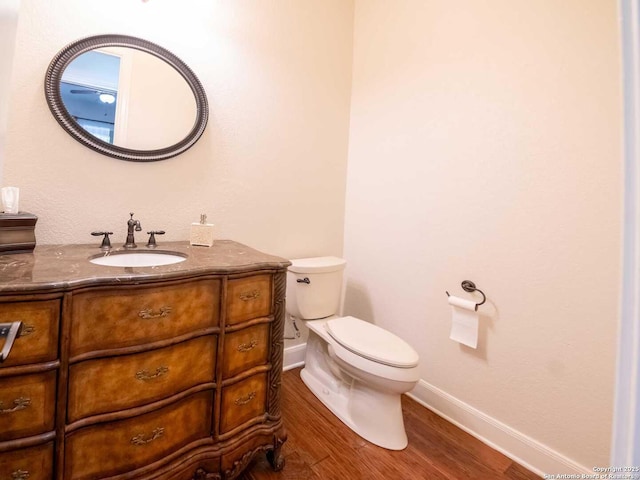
138 259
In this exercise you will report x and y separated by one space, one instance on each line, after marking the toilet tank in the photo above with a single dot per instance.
314 287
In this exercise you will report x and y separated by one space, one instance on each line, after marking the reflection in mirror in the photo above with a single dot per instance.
126 97
122 96
89 90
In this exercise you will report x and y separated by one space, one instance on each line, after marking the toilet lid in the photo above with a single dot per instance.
317 265
372 342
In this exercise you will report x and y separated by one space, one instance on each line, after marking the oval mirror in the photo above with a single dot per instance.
126 97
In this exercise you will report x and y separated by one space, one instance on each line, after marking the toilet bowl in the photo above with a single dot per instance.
358 370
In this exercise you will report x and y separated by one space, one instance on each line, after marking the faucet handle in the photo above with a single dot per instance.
106 243
152 238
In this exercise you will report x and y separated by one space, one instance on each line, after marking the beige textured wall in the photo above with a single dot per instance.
485 144
270 168
8 23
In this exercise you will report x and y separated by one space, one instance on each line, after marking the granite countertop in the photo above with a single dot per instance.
61 267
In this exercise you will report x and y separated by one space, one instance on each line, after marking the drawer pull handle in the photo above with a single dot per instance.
11 331
26 330
149 313
19 404
245 347
240 401
145 376
248 296
140 440
20 475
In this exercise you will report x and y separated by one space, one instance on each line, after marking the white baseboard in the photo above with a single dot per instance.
294 356
522 449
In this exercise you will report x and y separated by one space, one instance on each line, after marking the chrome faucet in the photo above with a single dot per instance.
131 225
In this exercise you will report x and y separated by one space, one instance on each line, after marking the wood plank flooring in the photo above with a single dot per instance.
320 447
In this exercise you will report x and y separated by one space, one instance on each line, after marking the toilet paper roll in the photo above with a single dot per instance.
464 321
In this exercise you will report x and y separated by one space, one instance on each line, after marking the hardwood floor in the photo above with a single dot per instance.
321 447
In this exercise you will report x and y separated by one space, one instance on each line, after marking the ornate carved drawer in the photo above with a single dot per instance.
114 318
111 384
38 341
27 405
242 402
104 450
247 298
33 463
244 349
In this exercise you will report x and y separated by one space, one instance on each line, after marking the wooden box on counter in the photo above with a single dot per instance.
17 232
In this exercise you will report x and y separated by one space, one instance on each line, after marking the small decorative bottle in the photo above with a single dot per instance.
202 233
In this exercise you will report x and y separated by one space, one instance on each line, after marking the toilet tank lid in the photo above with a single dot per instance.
372 342
317 264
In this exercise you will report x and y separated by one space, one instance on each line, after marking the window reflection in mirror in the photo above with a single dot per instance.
89 90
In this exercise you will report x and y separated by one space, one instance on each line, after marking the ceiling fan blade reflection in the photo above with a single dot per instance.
85 91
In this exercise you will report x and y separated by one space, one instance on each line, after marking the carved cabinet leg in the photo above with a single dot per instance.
202 474
275 458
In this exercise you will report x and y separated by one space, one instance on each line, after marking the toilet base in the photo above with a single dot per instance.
373 414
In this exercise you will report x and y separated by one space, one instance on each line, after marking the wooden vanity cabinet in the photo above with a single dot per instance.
28 388
158 379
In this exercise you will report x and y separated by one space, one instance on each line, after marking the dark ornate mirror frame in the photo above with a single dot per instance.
60 113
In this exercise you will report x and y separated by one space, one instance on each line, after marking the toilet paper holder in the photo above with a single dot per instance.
469 286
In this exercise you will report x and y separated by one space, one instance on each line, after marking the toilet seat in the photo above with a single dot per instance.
372 342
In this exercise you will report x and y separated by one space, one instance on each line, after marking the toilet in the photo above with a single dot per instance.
357 369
